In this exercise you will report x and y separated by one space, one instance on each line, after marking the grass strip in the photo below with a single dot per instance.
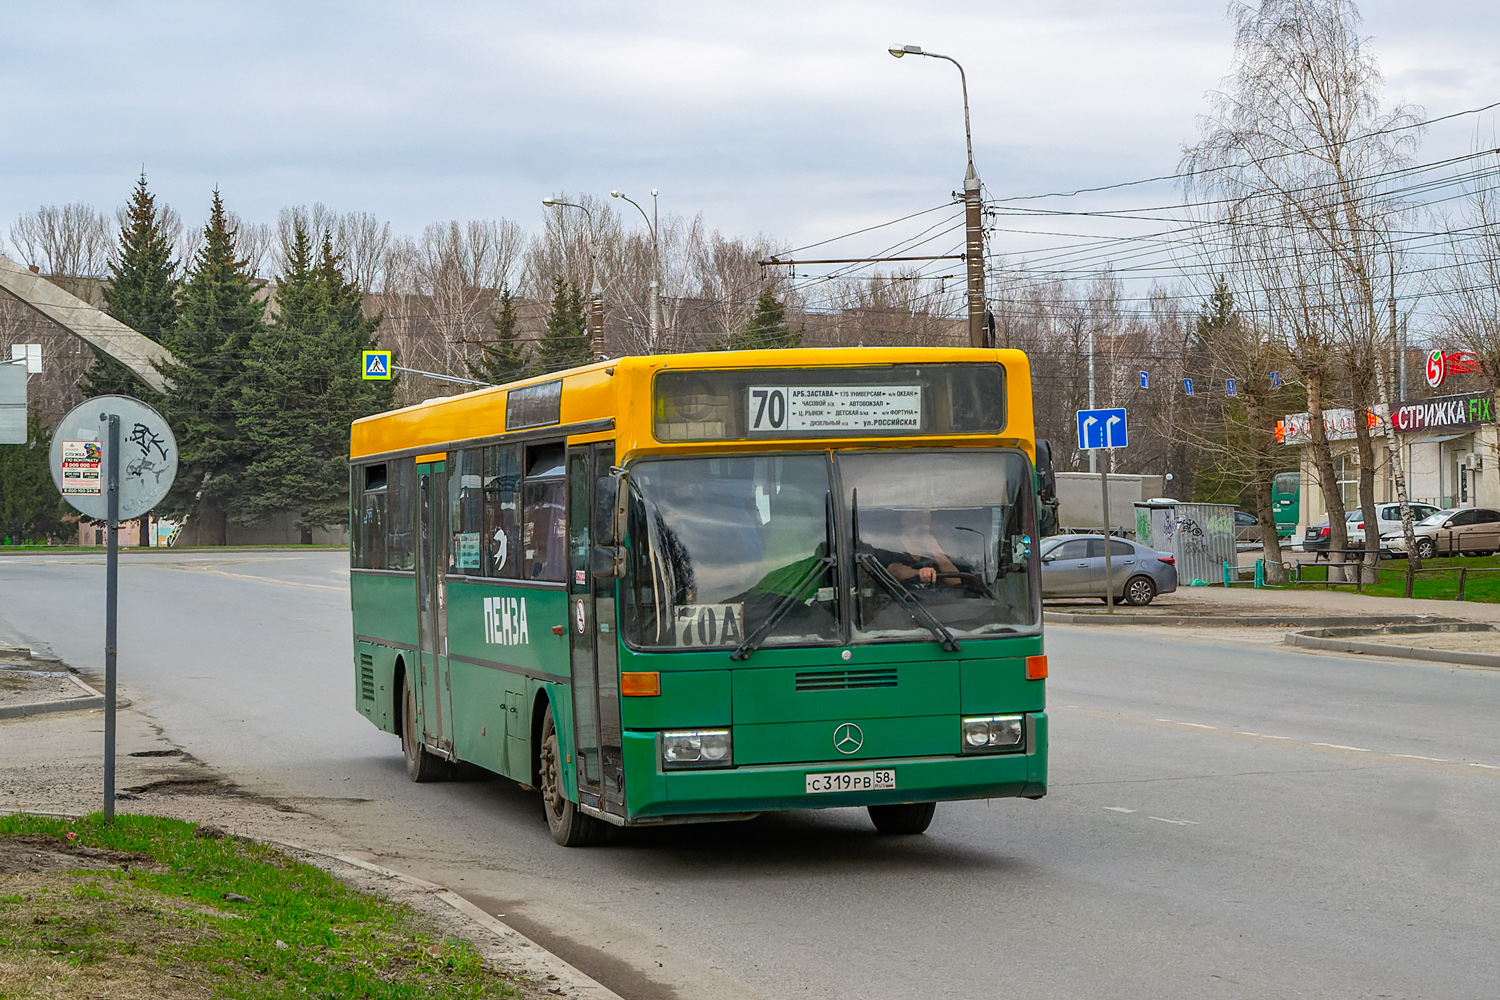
156 908
1483 588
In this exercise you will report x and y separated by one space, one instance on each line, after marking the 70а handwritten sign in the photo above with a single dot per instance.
833 408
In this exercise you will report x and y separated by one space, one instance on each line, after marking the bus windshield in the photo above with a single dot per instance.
746 551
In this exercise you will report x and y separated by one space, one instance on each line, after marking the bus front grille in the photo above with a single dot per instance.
845 680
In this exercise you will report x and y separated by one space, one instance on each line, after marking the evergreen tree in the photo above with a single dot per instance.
304 390
505 358
210 340
31 509
766 328
565 342
142 293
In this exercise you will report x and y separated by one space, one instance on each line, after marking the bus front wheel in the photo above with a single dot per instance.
907 818
421 763
567 823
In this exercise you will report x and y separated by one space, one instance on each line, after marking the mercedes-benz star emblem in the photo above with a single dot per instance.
848 738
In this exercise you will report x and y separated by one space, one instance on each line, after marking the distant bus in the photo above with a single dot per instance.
704 586
1286 494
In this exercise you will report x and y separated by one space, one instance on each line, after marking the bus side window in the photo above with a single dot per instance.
465 500
501 529
401 513
544 552
369 533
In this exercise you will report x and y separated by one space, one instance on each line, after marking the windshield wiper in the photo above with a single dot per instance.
908 600
897 589
792 597
783 604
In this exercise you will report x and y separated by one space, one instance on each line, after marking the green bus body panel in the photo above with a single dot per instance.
654 794
771 695
689 699
375 683
385 607
538 651
812 742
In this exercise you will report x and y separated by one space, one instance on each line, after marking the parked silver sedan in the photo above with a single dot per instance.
1073 566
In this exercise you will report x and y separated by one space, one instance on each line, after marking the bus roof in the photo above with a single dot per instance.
619 390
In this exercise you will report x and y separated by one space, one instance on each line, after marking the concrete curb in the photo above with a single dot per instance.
1342 644
1289 621
94 700
48 707
531 958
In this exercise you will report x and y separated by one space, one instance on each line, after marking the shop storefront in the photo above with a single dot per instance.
1449 447
1449 444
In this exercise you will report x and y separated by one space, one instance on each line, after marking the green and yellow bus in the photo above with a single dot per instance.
704 586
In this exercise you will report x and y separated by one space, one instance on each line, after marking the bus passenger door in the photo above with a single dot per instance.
595 660
434 694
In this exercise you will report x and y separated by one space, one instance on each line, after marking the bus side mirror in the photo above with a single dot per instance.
606 498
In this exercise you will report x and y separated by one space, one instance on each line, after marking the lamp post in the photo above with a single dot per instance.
655 265
596 295
974 228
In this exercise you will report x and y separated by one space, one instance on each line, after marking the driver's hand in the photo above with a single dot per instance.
927 574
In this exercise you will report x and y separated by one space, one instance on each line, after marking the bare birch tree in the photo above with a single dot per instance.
1294 151
74 240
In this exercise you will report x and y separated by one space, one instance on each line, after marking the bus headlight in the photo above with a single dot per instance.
991 733
696 748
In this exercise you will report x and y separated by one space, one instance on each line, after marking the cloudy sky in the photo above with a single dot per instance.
775 117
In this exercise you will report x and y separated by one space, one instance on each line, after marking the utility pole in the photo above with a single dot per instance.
651 224
596 295
1093 454
973 208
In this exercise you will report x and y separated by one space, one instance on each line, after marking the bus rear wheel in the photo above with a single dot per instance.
567 823
421 764
907 818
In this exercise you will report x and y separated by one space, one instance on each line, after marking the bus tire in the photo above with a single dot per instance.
567 823
907 818
422 765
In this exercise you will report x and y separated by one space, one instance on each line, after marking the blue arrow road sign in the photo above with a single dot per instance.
377 364
1101 429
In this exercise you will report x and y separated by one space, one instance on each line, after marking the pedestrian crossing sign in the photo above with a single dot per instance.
377 364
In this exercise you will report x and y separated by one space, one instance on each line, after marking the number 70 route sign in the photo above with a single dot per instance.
1102 429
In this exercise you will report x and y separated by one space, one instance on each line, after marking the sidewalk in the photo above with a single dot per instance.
1313 600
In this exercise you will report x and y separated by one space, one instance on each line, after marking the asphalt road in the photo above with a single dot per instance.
1226 819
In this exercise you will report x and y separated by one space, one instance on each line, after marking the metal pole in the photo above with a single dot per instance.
1093 455
1109 576
974 250
111 610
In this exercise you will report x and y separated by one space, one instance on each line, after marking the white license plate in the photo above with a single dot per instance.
850 781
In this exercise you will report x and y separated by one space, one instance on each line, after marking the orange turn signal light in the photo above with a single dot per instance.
1036 667
640 685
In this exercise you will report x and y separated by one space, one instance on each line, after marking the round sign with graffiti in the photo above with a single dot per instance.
80 459
1437 369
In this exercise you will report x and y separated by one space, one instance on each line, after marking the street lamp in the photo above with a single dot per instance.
973 226
655 264
596 296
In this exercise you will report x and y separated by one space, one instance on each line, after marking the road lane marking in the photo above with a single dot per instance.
264 579
1119 809
1100 714
1174 822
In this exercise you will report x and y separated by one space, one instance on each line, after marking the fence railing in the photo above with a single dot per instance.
1357 576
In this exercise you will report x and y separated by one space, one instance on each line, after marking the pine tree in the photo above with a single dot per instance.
565 342
142 292
505 358
304 390
210 340
766 328
31 510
